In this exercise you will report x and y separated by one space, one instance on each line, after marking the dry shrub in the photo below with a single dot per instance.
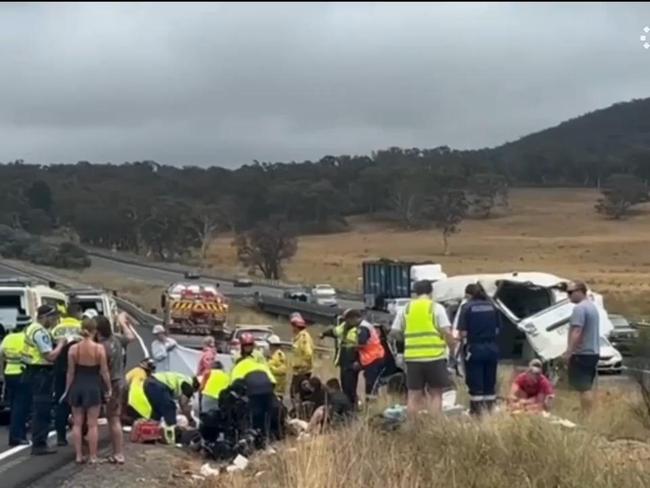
507 451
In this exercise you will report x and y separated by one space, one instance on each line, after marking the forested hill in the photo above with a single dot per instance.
613 139
144 204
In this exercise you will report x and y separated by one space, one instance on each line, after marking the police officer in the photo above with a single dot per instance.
478 324
11 350
39 354
68 328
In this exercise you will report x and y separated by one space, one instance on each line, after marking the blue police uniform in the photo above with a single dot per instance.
481 320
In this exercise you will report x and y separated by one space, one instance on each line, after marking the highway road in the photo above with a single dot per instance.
155 275
17 467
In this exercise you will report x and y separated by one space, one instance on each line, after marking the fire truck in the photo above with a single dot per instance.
194 308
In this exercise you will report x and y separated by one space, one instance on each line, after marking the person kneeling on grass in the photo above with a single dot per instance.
531 390
336 411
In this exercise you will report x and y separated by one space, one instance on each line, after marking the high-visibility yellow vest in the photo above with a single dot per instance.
249 365
138 400
173 381
13 345
350 340
67 327
278 366
31 355
422 337
218 381
136 375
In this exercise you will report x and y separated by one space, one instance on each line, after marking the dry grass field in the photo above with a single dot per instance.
552 230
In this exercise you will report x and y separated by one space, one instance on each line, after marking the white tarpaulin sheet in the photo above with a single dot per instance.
186 361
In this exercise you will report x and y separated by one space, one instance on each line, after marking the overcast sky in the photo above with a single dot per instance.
228 83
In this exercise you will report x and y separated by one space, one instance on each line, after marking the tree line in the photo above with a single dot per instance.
164 211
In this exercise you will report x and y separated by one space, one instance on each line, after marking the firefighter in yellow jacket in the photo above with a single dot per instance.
302 362
278 365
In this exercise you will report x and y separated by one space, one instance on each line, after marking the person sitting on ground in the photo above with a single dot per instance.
161 346
311 396
337 408
531 390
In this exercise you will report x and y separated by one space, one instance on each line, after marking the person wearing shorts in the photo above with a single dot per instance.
115 347
583 348
427 334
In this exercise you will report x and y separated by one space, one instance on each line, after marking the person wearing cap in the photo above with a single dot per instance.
583 349
161 347
136 375
531 390
302 362
39 355
17 393
278 365
68 328
478 324
370 351
346 355
259 382
213 383
141 372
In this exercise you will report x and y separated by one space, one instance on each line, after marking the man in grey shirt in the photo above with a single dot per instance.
584 344
115 345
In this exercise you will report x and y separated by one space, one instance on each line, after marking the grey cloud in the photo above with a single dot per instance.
228 83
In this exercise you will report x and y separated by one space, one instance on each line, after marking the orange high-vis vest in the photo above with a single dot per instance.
372 350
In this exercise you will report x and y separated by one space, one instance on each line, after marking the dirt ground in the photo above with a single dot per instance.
147 465
552 230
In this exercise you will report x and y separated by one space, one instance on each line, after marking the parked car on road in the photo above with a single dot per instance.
624 335
261 333
611 360
325 295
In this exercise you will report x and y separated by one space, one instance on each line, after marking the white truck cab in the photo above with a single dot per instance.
98 300
21 293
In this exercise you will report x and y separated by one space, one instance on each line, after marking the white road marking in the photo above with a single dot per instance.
17 449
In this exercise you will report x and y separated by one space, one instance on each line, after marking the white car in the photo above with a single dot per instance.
396 305
611 360
324 295
261 333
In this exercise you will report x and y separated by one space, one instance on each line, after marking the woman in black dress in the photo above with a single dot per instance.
88 385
